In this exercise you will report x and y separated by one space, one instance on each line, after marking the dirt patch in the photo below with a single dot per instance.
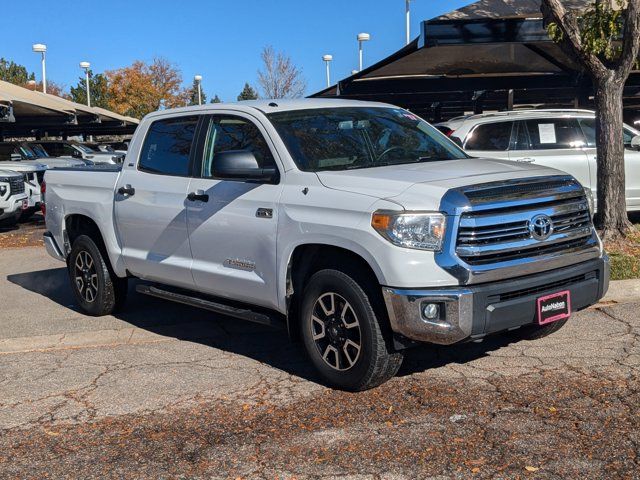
537 426
23 234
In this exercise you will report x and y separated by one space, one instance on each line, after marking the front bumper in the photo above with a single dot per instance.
477 310
15 207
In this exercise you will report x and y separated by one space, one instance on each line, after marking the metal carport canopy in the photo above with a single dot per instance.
478 57
25 112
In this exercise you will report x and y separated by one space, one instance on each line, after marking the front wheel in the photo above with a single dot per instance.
342 334
98 290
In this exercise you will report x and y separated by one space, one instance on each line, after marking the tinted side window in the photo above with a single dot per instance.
167 146
521 137
227 133
490 136
551 133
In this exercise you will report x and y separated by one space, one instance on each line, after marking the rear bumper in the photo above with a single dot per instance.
474 311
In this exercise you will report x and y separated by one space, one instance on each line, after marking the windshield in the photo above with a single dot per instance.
27 153
85 149
38 150
360 137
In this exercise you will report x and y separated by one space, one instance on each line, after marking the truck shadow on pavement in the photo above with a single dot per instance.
258 342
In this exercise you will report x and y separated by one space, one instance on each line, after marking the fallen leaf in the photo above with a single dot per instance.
531 469
475 469
553 409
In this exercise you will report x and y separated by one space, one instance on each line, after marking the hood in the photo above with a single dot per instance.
9 173
53 162
420 186
22 166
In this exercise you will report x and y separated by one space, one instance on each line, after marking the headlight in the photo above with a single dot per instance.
589 194
424 231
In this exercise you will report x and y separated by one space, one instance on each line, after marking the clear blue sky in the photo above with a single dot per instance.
219 39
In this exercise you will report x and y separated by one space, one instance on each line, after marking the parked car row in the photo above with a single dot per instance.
28 160
562 139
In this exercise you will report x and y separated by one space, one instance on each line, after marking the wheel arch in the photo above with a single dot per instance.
306 259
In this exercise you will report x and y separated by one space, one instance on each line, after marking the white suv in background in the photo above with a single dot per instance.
13 198
562 139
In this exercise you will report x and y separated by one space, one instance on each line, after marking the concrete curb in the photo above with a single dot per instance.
623 291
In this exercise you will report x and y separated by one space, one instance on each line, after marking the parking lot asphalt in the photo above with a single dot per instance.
165 390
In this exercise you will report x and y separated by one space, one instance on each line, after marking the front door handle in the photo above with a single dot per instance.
526 160
127 190
198 196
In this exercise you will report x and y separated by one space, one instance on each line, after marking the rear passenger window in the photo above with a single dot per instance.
167 146
555 133
490 137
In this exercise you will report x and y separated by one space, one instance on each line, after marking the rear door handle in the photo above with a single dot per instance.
127 190
198 196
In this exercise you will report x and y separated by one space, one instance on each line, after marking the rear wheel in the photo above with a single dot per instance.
96 287
342 334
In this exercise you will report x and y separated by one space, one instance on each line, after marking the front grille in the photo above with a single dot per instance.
560 284
501 234
16 185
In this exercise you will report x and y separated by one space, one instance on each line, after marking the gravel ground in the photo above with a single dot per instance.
166 391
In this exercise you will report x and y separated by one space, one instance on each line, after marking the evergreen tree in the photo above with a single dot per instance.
99 90
14 73
193 97
216 99
248 93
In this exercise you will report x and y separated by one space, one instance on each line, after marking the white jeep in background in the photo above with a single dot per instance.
356 225
562 139
13 199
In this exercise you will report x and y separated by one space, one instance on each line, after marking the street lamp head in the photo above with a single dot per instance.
198 78
363 37
327 58
39 47
85 65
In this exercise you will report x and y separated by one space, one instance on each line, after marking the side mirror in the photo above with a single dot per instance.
241 165
635 142
16 157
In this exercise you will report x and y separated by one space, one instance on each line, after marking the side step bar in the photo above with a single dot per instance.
272 320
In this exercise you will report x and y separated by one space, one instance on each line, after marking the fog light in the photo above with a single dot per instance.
430 311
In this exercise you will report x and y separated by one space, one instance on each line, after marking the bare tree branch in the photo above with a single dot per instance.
280 78
631 39
554 12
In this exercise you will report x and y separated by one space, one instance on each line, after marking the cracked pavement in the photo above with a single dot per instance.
167 391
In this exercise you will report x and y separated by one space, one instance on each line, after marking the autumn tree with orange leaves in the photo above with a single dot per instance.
143 88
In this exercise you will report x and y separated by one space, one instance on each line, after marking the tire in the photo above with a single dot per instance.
344 339
97 289
8 222
534 332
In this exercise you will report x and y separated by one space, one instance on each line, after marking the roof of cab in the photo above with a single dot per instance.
277 105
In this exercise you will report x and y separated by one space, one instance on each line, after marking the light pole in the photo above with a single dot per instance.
327 59
41 48
198 79
408 19
362 37
85 66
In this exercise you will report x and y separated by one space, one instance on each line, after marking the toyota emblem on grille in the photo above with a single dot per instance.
541 227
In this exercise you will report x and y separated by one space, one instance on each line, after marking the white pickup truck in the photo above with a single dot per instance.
357 225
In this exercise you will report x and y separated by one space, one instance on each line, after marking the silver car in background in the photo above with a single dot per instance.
562 139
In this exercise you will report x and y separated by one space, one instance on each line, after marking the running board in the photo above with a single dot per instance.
272 320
